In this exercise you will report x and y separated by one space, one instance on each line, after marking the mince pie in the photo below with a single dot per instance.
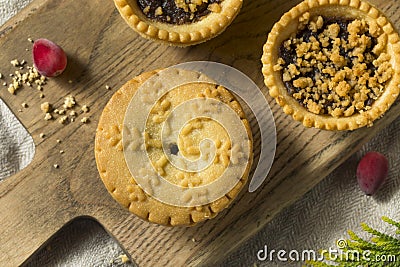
333 64
179 22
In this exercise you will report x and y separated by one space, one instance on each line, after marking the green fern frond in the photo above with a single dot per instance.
381 246
383 237
394 223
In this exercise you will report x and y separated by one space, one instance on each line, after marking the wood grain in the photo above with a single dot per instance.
103 50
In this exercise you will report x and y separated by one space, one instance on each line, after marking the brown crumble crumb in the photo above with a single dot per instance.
214 7
158 11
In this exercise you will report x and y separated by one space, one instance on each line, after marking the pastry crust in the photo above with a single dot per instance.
288 25
179 35
118 179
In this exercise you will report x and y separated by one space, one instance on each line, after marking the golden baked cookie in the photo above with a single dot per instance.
334 64
179 22
119 142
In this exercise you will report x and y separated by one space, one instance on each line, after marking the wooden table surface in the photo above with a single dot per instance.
102 50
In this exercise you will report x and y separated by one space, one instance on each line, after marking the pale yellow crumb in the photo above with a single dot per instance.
69 102
85 120
124 258
85 108
63 119
48 116
45 107
15 62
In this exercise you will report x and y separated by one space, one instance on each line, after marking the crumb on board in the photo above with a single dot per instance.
62 119
124 258
85 120
85 108
69 102
48 116
27 76
45 107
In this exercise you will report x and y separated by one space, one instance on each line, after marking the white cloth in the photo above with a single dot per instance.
9 8
314 222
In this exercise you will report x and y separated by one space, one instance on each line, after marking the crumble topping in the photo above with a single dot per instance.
335 66
178 11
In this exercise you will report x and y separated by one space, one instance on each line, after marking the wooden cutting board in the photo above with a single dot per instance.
36 202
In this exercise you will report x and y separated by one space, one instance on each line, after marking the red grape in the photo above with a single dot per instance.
48 58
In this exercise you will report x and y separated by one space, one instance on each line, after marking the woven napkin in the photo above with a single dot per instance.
314 222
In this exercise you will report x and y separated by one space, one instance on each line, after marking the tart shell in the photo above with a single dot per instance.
208 27
287 26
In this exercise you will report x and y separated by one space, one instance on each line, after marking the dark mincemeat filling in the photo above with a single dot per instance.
289 55
171 13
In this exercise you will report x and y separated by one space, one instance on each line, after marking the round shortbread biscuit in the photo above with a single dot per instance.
116 173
